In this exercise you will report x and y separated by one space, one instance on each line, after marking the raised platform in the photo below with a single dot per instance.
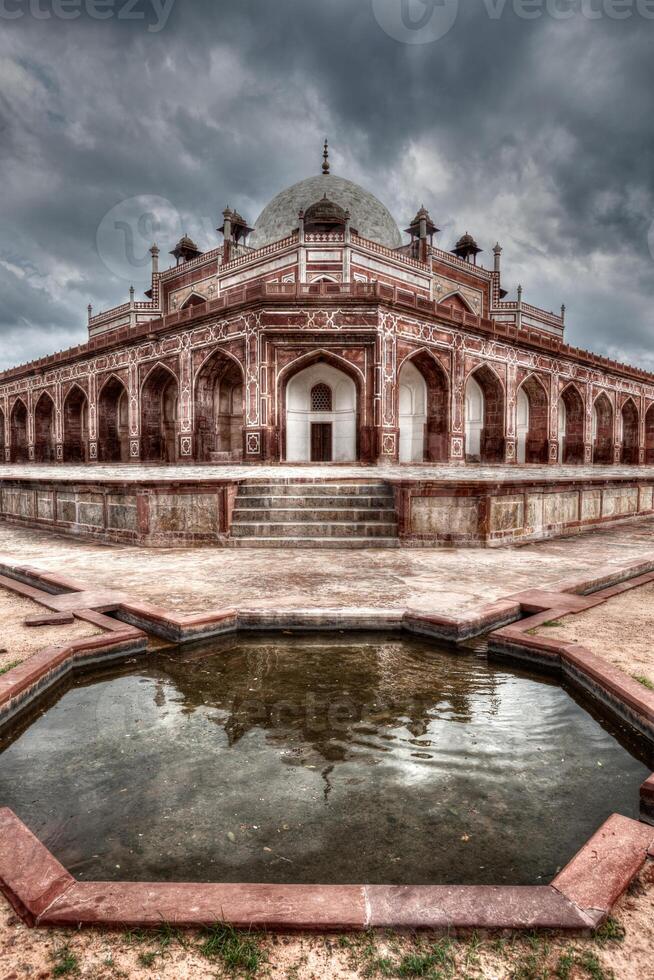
158 506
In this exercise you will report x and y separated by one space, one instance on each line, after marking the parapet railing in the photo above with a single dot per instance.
318 292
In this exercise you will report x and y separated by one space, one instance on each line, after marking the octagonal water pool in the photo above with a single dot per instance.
318 758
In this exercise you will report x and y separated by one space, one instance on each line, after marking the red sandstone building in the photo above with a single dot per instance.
319 335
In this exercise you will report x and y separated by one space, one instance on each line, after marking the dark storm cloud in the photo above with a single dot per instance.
535 132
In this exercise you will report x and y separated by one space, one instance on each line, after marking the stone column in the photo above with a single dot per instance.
641 431
253 447
30 425
134 414
389 445
185 419
588 426
553 441
457 406
59 423
617 436
7 429
510 444
93 416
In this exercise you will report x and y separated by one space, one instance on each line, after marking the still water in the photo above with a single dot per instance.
318 758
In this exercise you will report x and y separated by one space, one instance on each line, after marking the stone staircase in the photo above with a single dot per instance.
314 514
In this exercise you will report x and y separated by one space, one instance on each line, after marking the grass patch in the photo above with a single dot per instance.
610 931
8 667
563 968
240 952
588 961
147 959
645 681
66 963
552 622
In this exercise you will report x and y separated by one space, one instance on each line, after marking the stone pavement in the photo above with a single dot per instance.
425 471
449 582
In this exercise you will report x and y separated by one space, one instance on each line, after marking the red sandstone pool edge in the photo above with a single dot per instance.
43 893
578 899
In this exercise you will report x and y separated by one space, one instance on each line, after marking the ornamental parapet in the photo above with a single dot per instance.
399 298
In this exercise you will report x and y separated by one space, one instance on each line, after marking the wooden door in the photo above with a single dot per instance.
321 442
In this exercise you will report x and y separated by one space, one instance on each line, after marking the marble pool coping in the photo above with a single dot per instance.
579 898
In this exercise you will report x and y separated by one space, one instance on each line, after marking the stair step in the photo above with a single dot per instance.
314 529
315 489
360 502
314 514
308 513
314 543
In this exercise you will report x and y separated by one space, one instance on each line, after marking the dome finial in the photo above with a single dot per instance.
325 158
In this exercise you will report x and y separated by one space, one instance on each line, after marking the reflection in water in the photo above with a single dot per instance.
318 758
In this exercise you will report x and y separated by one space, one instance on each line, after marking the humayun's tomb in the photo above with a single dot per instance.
322 336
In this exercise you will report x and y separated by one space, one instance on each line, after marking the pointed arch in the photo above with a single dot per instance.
159 415
425 428
18 431
533 412
602 429
458 301
76 425
193 299
485 413
649 435
219 395
113 420
630 434
299 428
571 425
44 429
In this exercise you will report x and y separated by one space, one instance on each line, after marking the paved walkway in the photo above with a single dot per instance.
444 581
426 471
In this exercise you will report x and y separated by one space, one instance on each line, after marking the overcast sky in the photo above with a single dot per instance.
535 131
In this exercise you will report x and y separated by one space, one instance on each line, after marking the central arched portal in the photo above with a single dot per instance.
321 416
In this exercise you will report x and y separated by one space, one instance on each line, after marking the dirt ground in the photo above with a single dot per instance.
18 642
620 630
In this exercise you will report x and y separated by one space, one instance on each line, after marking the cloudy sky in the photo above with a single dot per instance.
517 120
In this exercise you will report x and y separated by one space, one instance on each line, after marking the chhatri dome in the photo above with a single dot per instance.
369 216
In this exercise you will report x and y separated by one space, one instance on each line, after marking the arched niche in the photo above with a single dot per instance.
44 429
532 416
219 409
571 426
113 422
484 417
76 426
602 430
315 433
629 425
159 412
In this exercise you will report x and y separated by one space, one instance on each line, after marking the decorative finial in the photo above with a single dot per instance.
519 294
325 158
131 294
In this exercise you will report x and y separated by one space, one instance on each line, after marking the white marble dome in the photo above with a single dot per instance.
369 216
